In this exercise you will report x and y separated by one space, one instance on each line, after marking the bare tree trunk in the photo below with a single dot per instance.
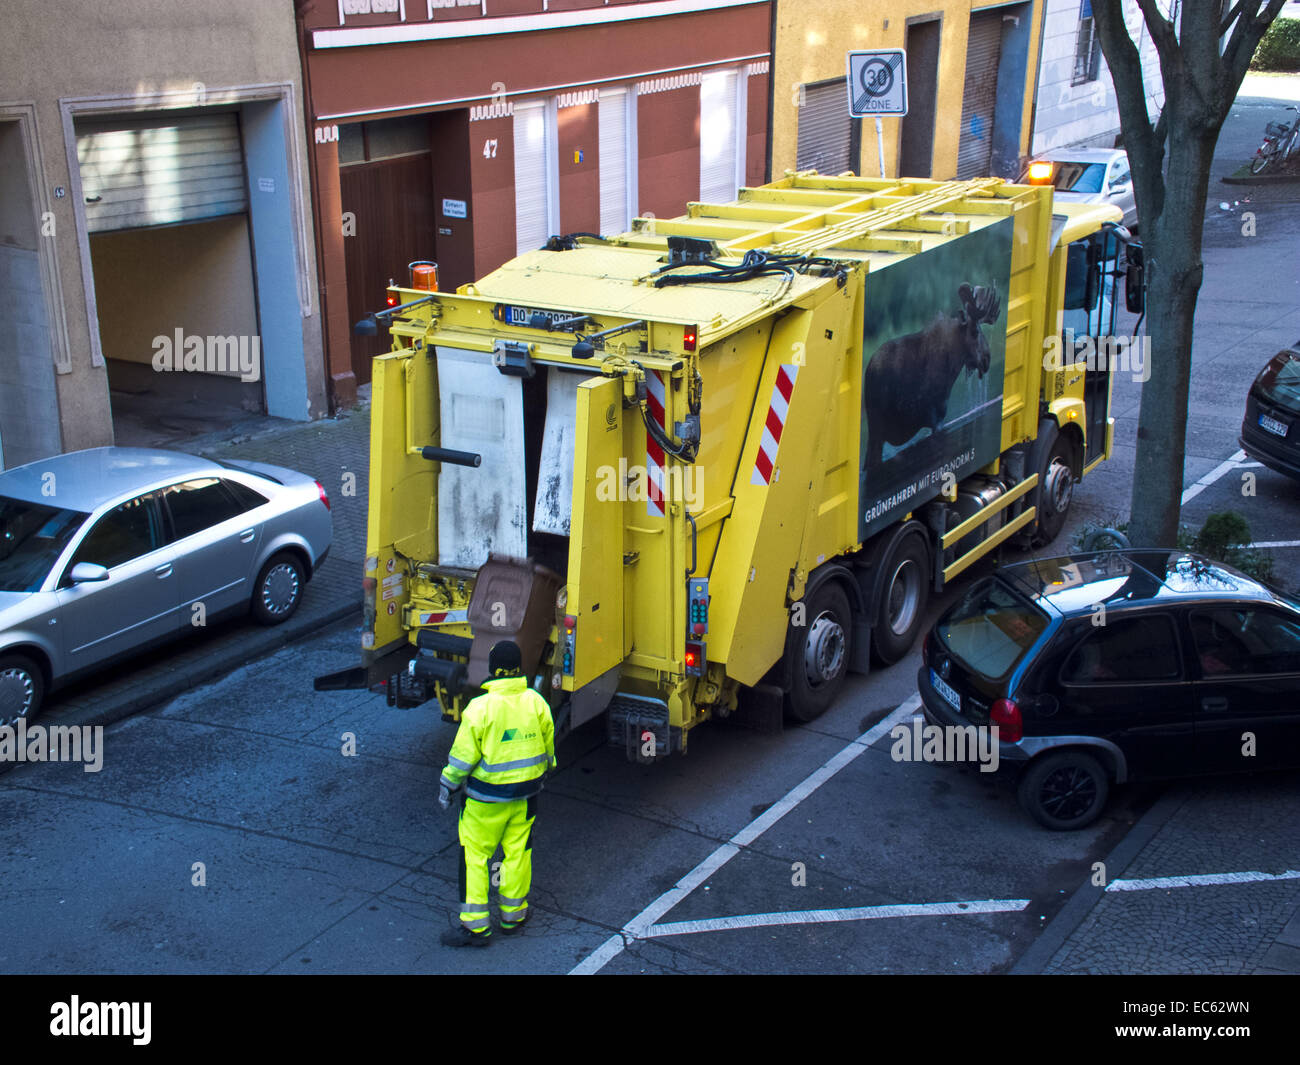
1203 58
1174 272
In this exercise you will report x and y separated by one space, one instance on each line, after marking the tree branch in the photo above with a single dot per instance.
1252 24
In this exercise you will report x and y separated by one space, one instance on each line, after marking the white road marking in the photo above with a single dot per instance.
1218 471
1199 880
861 913
638 927
1277 543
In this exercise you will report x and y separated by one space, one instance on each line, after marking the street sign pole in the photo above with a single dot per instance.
877 84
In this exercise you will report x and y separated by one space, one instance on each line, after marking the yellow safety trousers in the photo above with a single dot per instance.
483 827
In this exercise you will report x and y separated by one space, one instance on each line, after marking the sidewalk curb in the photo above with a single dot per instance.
1263 179
158 689
1085 898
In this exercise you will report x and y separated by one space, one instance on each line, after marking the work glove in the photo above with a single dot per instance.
444 797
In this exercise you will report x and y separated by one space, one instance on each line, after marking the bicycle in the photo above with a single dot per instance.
1279 143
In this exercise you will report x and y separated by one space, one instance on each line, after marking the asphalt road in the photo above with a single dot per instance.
254 825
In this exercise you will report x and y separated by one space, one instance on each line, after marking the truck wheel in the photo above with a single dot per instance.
1064 791
22 687
1056 490
901 597
817 653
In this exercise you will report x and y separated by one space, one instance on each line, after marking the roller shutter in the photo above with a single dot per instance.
721 136
979 96
825 129
158 171
614 216
536 176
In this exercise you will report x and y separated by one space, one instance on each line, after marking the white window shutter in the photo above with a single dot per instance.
719 137
614 214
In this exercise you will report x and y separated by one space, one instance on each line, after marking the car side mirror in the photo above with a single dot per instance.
1119 190
88 572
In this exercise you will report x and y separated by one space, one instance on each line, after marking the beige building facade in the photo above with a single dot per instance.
156 255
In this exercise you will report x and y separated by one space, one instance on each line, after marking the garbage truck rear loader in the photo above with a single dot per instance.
724 459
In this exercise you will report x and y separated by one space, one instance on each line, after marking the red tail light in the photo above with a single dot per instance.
1006 715
323 497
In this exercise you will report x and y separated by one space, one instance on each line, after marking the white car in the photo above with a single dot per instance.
1086 175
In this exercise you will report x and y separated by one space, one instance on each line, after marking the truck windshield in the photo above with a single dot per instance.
32 536
990 629
1279 381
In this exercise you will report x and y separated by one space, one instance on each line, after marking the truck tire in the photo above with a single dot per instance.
22 688
1056 490
817 653
902 592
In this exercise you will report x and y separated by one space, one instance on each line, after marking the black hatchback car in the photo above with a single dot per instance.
1270 431
1104 668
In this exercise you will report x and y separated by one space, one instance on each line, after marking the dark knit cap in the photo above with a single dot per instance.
504 659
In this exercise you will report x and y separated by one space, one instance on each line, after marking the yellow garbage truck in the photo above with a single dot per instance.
719 461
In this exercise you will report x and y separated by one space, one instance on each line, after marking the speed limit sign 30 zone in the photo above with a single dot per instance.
878 82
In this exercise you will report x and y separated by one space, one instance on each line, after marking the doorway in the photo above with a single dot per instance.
916 147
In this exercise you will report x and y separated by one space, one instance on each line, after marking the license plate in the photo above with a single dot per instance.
946 690
524 315
1272 425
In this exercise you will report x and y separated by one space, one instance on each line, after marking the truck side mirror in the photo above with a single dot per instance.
1135 280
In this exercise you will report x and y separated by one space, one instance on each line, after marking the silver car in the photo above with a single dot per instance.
1086 175
108 551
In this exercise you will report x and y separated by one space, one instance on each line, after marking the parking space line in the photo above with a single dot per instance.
1222 468
1277 543
860 913
1199 880
640 924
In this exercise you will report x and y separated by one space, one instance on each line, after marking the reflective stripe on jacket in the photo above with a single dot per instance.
505 743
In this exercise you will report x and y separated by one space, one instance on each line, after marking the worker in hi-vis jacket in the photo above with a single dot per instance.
505 744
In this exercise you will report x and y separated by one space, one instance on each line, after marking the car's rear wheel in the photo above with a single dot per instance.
1064 791
817 653
278 590
22 689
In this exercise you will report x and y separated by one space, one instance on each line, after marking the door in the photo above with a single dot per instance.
138 603
1248 694
1125 681
979 95
390 203
916 145
215 535
594 643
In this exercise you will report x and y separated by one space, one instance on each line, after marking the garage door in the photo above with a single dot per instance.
157 171
979 97
825 129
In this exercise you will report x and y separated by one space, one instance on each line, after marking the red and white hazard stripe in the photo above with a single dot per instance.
654 454
765 460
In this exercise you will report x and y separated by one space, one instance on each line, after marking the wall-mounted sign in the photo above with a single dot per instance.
265 184
454 209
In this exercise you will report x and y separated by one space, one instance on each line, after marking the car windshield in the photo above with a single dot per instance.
1280 380
32 535
1079 177
991 628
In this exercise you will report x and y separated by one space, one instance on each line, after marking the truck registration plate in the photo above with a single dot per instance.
945 689
1272 425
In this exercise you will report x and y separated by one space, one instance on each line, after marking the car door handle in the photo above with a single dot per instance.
1214 703
247 536
164 570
